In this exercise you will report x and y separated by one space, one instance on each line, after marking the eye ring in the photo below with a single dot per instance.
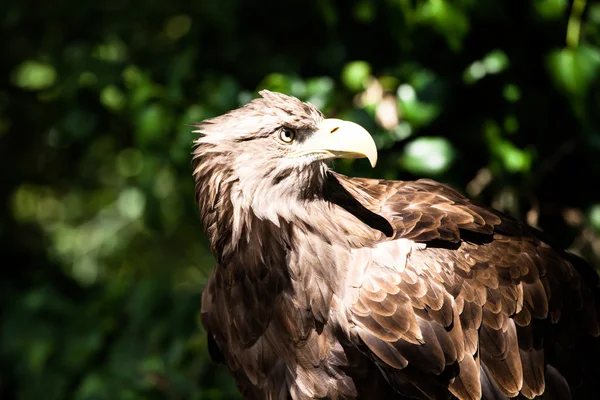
287 135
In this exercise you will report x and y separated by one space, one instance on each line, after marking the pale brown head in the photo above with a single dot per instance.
273 148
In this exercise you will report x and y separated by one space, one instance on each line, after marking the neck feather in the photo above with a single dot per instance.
241 210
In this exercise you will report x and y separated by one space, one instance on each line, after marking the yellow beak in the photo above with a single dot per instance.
336 138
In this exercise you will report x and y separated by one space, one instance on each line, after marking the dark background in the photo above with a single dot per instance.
103 258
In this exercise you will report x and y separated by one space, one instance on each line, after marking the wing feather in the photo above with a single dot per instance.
486 292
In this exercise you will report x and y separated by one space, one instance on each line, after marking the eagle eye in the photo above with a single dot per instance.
287 135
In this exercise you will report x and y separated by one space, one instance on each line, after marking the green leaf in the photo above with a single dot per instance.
447 18
131 203
178 26
512 158
355 75
550 9
574 69
130 162
495 62
418 113
112 98
594 216
152 123
34 75
511 93
428 156
364 11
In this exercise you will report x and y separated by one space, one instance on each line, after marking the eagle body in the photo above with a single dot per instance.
331 287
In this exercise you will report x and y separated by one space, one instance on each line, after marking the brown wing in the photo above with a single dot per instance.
465 297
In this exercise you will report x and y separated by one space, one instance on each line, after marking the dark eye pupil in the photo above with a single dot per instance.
287 135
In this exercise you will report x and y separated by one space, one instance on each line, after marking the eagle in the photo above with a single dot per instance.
334 287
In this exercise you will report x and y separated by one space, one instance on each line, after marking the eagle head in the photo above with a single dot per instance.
270 153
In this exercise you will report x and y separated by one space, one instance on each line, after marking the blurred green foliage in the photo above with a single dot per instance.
103 256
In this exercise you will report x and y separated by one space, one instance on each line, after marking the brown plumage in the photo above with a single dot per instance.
334 287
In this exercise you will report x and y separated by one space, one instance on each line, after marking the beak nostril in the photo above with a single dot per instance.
335 129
